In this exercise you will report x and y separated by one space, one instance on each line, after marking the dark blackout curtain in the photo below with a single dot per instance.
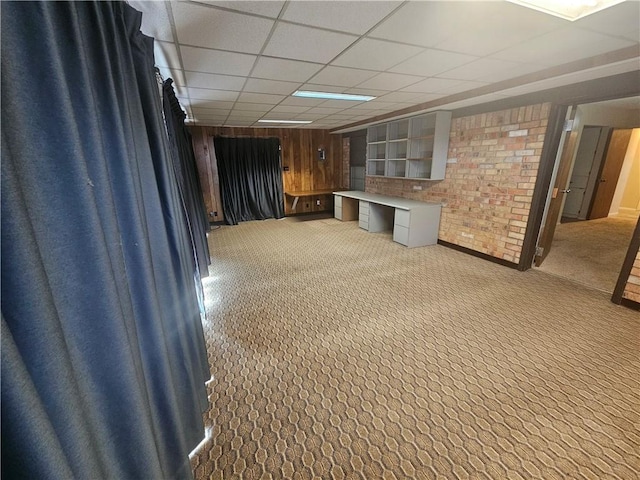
184 164
250 178
103 354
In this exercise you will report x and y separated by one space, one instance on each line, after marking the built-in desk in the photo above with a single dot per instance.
414 223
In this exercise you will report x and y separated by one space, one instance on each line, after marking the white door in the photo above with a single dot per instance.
581 171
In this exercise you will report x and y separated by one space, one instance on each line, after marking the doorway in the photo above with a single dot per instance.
600 196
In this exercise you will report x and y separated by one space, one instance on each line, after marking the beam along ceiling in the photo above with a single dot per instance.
237 62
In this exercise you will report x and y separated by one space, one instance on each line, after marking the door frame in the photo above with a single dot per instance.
627 265
587 92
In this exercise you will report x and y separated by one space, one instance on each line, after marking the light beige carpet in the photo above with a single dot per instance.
337 353
590 252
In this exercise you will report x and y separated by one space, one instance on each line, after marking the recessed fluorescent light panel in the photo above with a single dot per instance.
333 96
568 9
284 121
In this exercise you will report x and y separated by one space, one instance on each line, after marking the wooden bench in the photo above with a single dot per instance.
308 193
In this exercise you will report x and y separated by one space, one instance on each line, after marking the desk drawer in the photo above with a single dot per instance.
364 208
402 217
401 235
363 222
337 201
337 212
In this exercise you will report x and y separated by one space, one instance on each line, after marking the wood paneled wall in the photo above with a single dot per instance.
299 153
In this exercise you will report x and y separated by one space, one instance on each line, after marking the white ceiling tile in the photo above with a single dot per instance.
257 85
293 109
398 97
207 94
352 17
279 116
486 27
302 102
389 81
304 43
366 91
342 77
253 107
216 61
155 19
432 62
267 8
342 104
462 87
373 105
427 97
313 87
324 110
176 75
620 20
431 85
211 112
201 105
260 98
245 114
375 54
562 46
238 123
307 117
421 23
180 90
282 69
166 55
218 118
481 68
218 82
213 28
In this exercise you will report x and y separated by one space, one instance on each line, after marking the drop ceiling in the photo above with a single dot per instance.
237 62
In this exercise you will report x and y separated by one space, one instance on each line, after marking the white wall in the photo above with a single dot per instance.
592 114
627 195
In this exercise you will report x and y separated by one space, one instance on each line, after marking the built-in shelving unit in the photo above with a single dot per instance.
414 147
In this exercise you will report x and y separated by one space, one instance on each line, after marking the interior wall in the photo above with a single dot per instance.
492 167
632 287
303 170
626 200
597 114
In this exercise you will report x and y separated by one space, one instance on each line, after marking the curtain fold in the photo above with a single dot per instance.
250 178
186 171
103 353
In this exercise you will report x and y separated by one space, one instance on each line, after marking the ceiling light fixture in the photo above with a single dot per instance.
567 9
284 121
332 96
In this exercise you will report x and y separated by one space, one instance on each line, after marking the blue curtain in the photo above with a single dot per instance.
184 163
103 353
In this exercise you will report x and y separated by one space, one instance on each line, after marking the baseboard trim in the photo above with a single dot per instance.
625 302
483 256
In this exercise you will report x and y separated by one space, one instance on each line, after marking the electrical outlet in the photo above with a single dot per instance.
317 202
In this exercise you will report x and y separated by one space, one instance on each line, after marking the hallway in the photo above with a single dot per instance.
590 252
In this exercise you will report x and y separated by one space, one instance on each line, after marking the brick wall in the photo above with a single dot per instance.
489 180
346 162
632 289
